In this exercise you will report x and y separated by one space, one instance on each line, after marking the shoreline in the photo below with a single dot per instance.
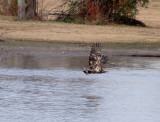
8 48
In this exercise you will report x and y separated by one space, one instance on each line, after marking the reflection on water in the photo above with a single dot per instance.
54 89
75 62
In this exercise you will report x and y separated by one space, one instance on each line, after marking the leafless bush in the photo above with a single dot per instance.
50 9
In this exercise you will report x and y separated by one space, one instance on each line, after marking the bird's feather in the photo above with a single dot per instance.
104 59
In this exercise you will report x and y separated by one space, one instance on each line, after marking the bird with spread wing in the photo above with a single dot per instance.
96 60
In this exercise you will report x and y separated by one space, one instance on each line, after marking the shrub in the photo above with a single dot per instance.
104 11
9 7
14 7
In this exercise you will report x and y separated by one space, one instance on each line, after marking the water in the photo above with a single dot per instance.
54 89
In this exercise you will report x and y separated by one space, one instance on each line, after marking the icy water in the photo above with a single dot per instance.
54 89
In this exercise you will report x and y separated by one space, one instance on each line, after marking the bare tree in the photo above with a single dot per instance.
27 10
21 9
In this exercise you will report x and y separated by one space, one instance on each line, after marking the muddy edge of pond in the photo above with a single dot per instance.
78 49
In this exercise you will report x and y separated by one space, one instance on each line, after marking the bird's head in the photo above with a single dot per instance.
86 72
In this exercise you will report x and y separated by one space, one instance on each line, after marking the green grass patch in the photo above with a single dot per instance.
133 45
56 43
155 0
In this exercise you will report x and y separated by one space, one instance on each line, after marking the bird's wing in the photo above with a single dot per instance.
92 61
96 49
104 59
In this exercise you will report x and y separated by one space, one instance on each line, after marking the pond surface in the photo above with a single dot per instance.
54 89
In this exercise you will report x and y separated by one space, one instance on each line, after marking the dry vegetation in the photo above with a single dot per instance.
52 31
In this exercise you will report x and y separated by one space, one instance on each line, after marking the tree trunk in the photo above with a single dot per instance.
27 10
21 9
31 9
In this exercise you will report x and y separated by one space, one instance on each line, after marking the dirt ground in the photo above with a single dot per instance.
55 31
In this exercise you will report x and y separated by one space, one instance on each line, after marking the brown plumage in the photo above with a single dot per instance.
96 60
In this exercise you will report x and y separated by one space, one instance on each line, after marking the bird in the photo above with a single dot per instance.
96 60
